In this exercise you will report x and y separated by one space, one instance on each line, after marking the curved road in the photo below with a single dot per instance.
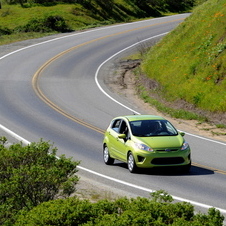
55 90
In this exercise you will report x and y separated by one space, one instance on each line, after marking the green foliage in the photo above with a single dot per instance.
165 5
3 140
174 5
161 196
48 24
121 212
5 31
214 218
45 2
30 175
190 62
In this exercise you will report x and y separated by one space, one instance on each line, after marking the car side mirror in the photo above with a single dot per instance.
122 136
182 134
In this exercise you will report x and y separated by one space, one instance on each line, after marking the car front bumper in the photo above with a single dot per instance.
162 159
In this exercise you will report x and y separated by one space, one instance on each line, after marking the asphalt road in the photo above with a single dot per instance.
54 89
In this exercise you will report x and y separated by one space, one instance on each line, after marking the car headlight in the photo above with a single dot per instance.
185 146
143 147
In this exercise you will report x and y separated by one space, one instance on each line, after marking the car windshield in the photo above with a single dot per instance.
146 128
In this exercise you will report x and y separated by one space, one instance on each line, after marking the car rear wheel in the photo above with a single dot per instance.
106 156
131 163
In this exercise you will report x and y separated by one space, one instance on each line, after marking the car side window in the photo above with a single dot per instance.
116 125
123 128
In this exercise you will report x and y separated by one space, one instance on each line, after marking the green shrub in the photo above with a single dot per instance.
5 31
121 212
48 24
56 23
30 175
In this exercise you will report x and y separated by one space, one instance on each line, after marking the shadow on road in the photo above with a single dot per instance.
169 171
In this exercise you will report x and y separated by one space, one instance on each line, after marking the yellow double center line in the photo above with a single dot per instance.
38 74
209 168
41 95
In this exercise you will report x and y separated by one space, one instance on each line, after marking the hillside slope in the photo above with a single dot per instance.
189 64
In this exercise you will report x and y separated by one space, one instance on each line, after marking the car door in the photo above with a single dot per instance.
113 133
121 143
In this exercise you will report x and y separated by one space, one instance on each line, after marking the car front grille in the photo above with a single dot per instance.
167 161
166 150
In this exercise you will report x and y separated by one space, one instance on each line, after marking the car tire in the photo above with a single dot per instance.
106 156
131 163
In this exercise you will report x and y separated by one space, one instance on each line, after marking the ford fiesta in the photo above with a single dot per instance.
145 141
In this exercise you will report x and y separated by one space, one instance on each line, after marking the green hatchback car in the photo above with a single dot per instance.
145 141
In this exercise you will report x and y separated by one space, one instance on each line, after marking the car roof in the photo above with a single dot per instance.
142 117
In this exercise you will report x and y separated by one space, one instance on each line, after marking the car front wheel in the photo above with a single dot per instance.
106 156
131 163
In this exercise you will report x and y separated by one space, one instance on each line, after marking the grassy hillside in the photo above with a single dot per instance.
77 16
32 21
189 64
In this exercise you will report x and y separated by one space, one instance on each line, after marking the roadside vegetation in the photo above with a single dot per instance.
158 210
31 175
188 66
39 188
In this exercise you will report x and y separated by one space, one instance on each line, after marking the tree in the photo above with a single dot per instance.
33 174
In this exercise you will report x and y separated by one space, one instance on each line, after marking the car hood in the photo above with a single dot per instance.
162 141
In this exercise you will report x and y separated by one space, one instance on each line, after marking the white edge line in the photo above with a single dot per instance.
98 70
26 142
82 32
14 135
150 190
130 109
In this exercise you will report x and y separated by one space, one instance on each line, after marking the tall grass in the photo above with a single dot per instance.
190 62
